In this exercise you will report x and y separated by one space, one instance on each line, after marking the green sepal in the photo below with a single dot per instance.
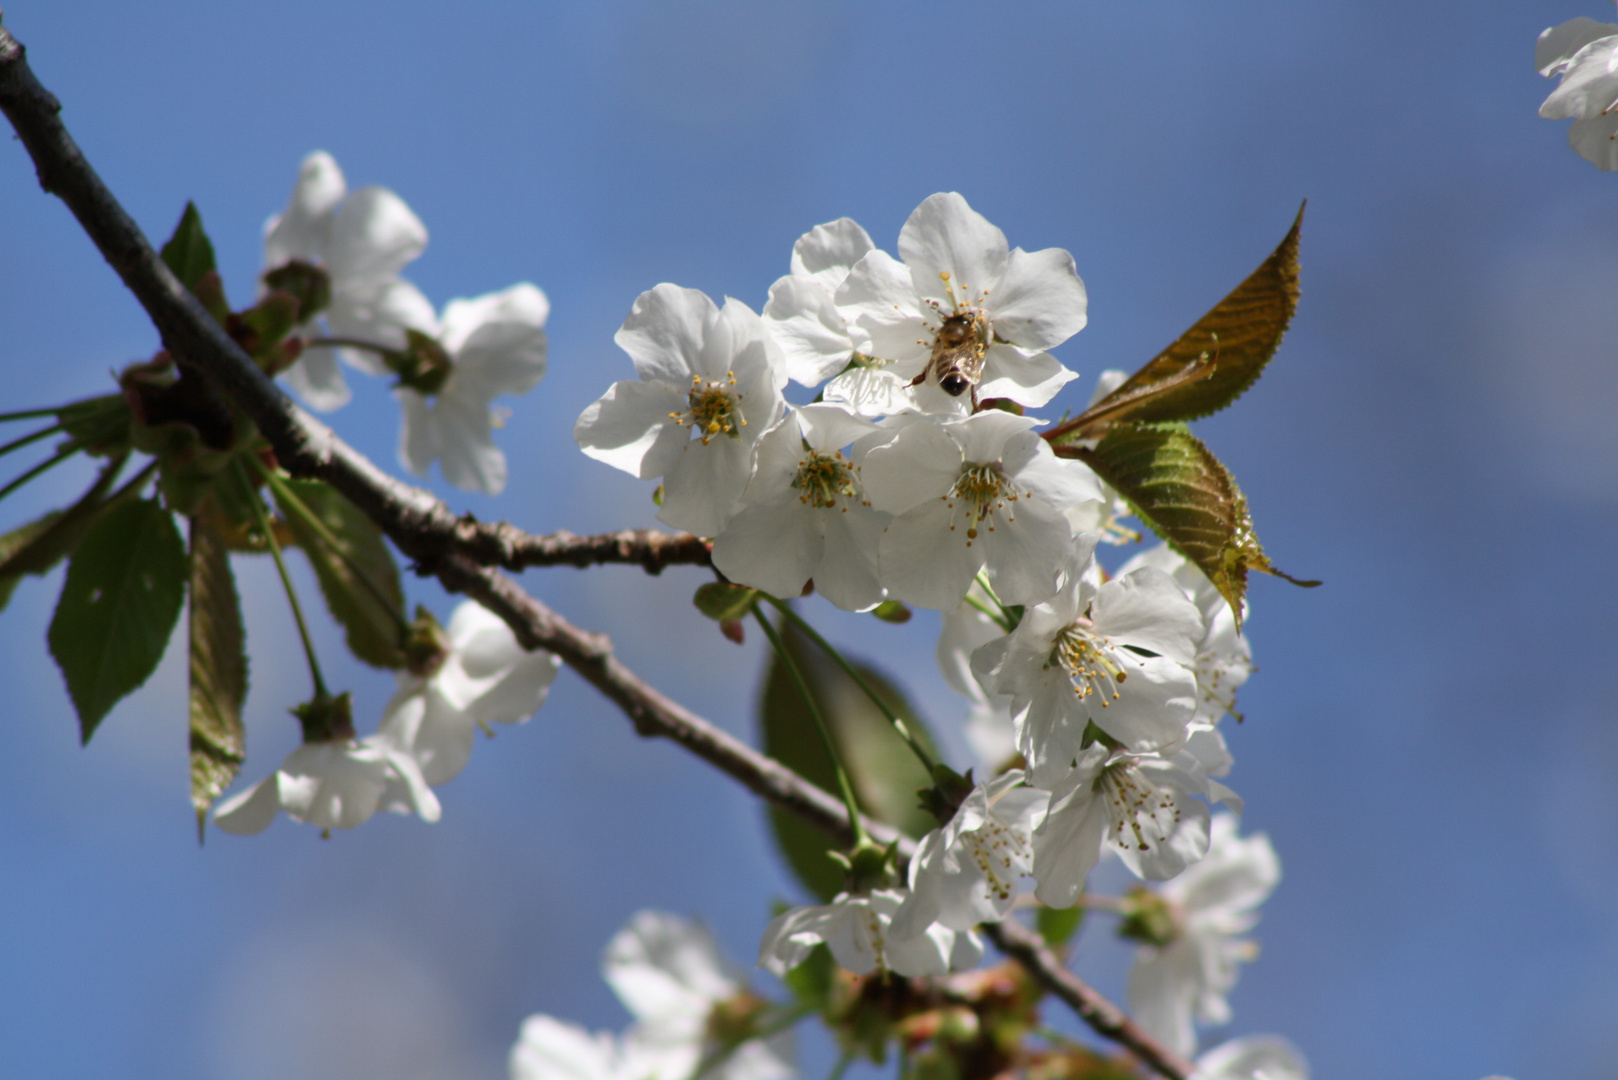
189 252
892 611
310 285
1147 918
1175 484
371 630
1211 364
813 980
724 602
884 773
119 604
100 424
218 670
1058 925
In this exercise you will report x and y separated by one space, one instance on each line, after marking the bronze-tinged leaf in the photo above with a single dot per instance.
218 670
883 771
1213 362
370 628
1188 498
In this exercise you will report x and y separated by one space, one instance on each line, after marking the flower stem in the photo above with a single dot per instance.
28 414
844 788
719 1057
67 451
916 748
289 499
18 444
349 343
286 579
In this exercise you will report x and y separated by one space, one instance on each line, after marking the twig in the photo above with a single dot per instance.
426 531
1105 1019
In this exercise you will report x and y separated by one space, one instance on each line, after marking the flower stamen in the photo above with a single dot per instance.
715 408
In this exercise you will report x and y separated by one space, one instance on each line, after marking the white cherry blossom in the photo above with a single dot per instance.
967 872
1142 805
1584 53
1118 654
857 930
981 493
802 313
495 345
1255 1057
710 386
332 785
552 1049
362 241
484 677
671 976
959 282
1214 903
1223 660
804 514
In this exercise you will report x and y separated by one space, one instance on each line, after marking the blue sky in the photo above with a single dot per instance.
1430 741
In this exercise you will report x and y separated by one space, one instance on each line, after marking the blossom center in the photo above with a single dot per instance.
822 478
1142 816
715 408
999 852
986 491
1088 660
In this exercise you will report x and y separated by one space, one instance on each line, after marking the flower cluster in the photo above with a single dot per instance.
916 475
341 256
457 682
693 1016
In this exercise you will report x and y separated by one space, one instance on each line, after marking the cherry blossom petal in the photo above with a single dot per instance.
665 331
924 557
1559 44
701 491
1596 141
301 232
629 428
318 380
1028 378
1147 609
418 444
1589 85
918 464
374 236
826 252
946 236
249 812
466 450
879 300
813 338
1040 302
775 546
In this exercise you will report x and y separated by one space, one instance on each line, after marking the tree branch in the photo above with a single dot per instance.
453 548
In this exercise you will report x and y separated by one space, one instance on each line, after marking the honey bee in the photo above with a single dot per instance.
957 360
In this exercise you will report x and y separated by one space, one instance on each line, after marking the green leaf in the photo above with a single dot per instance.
372 631
1212 363
1188 498
37 547
218 670
885 774
119 604
189 252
